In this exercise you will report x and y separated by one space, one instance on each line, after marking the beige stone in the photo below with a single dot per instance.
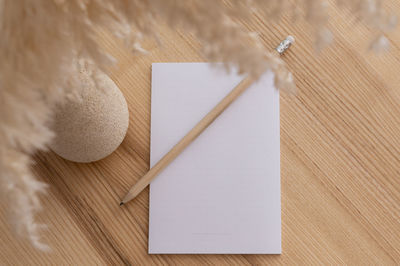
92 126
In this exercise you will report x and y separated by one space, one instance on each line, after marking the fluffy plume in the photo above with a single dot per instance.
41 40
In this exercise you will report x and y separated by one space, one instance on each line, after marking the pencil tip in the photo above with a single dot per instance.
121 203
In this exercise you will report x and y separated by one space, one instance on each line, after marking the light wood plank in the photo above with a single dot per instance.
340 161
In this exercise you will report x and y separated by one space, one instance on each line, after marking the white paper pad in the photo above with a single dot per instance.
222 193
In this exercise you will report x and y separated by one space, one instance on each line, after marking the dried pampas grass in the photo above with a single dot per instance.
41 39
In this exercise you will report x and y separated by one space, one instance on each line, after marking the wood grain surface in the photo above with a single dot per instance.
340 160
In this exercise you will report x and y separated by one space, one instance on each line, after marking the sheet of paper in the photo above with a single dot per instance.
222 193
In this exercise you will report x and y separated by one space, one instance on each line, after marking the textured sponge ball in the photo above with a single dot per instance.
92 125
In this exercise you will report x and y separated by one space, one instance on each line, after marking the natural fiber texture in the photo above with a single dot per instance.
41 39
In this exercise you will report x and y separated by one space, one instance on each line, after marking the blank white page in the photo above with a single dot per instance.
222 193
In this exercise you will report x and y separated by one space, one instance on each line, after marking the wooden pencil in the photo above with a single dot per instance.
197 130
187 139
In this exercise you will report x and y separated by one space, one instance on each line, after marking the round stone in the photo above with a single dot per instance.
92 125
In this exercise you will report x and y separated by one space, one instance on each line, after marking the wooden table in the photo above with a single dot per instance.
340 161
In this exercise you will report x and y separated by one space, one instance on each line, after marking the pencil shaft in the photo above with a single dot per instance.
187 139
